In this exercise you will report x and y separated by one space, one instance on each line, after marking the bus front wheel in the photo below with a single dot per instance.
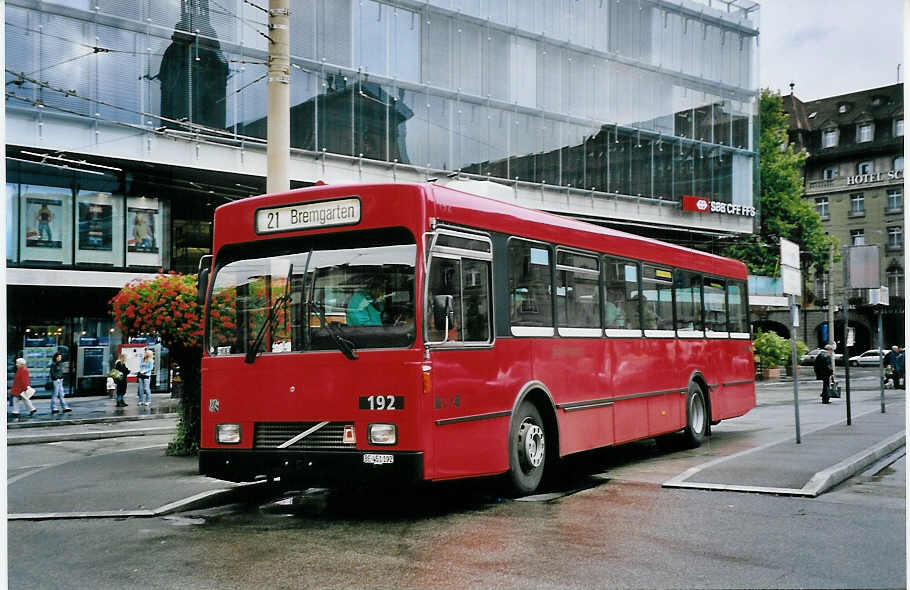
527 449
696 416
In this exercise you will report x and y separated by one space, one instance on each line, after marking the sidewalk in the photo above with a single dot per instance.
93 410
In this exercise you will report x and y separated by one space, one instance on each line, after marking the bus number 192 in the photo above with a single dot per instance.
381 402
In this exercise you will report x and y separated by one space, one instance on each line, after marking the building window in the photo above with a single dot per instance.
895 282
895 237
899 127
842 108
829 138
821 286
898 163
865 167
864 132
857 204
857 237
821 205
895 199
830 172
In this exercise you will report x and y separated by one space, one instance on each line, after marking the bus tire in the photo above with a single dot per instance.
696 416
527 449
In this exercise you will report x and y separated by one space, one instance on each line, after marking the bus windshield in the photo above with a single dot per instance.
315 297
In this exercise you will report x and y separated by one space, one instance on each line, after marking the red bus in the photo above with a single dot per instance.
411 333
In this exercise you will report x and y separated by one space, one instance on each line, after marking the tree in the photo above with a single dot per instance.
784 211
167 306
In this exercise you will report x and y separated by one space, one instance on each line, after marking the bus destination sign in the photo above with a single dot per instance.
308 215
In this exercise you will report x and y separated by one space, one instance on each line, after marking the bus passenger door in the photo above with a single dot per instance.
465 426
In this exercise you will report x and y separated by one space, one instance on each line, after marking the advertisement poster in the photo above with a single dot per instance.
142 230
96 229
43 223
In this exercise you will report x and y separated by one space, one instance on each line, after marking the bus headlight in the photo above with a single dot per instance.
383 434
227 434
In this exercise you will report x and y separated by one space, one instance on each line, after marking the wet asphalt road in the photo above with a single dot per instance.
610 525
608 535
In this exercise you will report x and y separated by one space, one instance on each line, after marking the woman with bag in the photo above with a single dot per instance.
120 367
146 366
19 391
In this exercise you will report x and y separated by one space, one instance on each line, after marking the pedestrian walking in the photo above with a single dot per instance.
121 368
824 371
57 380
21 382
146 366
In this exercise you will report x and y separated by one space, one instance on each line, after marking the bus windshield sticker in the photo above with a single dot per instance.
308 215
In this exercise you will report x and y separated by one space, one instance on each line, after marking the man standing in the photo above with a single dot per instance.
824 370
895 360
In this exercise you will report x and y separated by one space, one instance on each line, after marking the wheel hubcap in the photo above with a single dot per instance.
697 412
532 445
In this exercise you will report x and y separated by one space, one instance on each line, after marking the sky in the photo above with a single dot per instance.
830 47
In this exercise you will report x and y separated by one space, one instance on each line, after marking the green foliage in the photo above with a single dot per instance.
773 350
184 443
783 210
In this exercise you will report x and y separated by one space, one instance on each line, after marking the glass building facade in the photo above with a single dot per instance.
647 98
116 111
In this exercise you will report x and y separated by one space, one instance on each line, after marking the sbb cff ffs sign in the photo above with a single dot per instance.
703 205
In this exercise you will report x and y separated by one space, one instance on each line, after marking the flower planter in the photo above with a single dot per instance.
771 373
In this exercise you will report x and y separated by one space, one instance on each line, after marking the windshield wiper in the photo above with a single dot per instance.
273 311
334 330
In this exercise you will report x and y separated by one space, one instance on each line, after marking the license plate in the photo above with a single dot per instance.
375 459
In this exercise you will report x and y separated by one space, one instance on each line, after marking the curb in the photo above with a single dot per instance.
28 439
196 502
827 479
81 421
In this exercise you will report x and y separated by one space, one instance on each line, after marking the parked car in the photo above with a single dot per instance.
869 358
808 359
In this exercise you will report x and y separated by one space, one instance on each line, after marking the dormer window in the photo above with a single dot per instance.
879 100
842 108
899 127
865 132
829 137
812 114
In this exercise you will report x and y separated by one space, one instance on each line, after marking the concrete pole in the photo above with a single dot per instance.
831 294
278 132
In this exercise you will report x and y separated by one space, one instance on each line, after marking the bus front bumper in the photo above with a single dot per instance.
314 467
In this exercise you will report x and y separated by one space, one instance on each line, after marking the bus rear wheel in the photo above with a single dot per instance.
527 449
696 416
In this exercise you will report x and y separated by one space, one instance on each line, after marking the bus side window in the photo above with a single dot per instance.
736 307
621 303
715 305
467 281
530 284
445 279
689 307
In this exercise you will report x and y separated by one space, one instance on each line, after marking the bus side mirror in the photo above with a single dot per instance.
443 309
202 278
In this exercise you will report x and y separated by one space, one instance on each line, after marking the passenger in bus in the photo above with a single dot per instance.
365 305
615 316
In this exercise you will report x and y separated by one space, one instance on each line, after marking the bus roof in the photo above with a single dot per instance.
412 204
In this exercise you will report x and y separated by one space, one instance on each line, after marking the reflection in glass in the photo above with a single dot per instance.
193 72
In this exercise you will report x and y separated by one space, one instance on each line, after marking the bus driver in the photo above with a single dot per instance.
365 305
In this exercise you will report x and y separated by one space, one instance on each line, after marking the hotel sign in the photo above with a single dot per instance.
876 177
703 205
